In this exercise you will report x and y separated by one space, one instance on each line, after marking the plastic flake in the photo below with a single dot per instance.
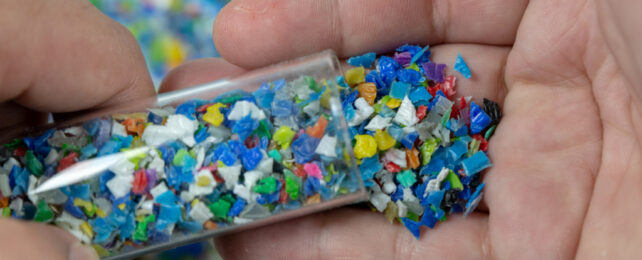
461 66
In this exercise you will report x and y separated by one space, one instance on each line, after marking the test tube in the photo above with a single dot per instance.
241 152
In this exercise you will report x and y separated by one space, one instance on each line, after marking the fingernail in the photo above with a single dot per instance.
79 251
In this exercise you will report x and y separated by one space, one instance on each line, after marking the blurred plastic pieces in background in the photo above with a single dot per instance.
169 32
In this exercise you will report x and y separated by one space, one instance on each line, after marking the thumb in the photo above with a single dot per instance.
26 240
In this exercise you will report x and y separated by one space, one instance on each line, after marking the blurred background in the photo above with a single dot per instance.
170 32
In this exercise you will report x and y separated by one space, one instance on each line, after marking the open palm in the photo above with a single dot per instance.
566 154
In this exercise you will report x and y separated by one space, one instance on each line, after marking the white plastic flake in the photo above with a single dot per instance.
402 209
68 221
396 156
327 146
266 165
379 200
5 189
52 157
177 127
231 175
120 185
158 189
252 177
197 189
118 129
243 192
123 167
312 108
200 157
32 186
412 202
243 108
8 165
434 184
378 122
158 165
200 213
406 115
362 112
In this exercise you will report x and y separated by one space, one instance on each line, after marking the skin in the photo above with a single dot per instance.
567 154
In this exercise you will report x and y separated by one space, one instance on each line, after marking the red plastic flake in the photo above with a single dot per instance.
140 182
283 195
433 90
203 108
67 161
299 171
448 86
252 142
483 146
421 112
392 167
217 177
20 152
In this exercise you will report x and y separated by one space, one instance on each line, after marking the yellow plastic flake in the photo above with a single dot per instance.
355 76
121 206
384 140
283 136
194 202
101 251
214 115
413 67
220 164
203 181
365 147
393 103
100 213
87 206
86 228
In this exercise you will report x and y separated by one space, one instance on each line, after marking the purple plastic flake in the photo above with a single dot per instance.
403 58
434 71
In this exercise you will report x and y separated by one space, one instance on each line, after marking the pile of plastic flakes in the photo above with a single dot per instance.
215 163
420 149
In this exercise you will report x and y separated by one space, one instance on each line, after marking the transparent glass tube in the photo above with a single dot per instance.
123 215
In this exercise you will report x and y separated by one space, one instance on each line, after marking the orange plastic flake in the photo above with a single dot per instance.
368 91
318 129
210 225
314 199
134 126
412 157
4 202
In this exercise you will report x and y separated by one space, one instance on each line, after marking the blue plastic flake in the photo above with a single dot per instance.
395 131
311 186
364 60
80 191
399 89
237 207
125 141
154 118
88 151
428 218
421 56
245 127
124 220
476 163
109 147
278 84
303 148
251 158
190 226
236 146
461 66
73 210
369 166
479 120
387 68
102 230
224 154
264 96
398 194
433 167
176 175
283 108
169 214
436 197
166 198
382 87
408 140
20 179
187 109
201 135
458 149
474 199
412 226
419 96
434 71
410 76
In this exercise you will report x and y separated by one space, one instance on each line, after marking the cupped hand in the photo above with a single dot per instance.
60 56
567 155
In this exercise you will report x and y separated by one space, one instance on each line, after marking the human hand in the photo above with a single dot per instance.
60 56
567 154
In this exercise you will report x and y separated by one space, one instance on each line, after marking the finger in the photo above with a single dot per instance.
198 72
350 233
39 241
61 56
256 33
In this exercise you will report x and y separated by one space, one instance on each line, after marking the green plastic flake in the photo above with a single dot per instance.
283 136
379 105
266 185
473 147
292 184
220 208
140 234
34 165
490 132
88 207
179 157
312 84
412 215
443 218
101 251
6 212
16 143
391 212
455 183
446 116
407 178
44 213
413 67
428 148
275 155
263 130
230 99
